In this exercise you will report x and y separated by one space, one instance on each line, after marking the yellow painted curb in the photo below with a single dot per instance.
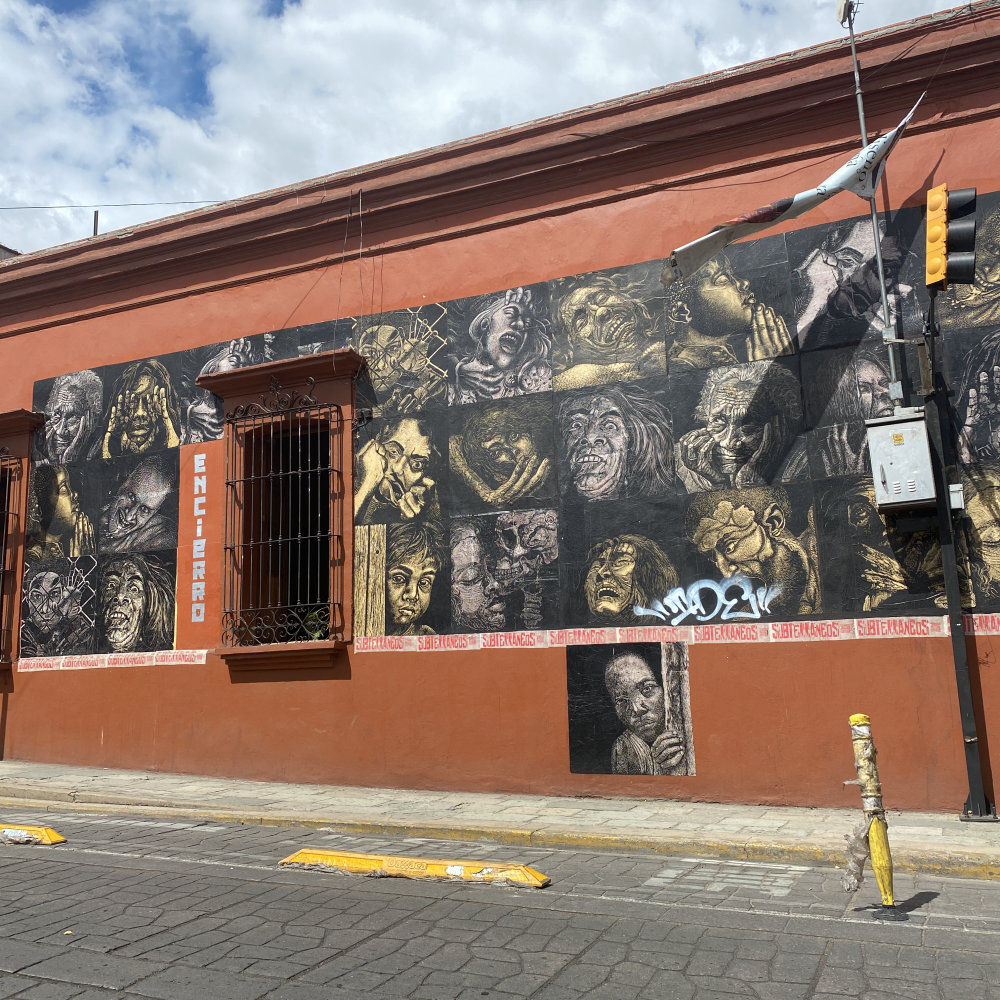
31 834
397 866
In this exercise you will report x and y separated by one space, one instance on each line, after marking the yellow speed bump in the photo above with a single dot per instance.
30 835
391 865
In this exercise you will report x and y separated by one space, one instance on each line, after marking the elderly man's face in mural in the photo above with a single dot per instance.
123 604
610 586
720 305
637 696
733 424
602 323
475 594
740 540
70 420
137 501
409 583
597 445
528 541
51 601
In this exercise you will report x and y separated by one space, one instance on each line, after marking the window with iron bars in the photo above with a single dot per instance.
284 546
10 497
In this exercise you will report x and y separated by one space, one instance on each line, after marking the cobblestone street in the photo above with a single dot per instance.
178 909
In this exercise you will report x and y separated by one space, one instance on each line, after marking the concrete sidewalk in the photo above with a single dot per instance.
926 842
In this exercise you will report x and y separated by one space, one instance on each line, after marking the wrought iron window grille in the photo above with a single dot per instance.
284 551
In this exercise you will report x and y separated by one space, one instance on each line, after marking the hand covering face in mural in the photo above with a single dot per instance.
142 513
977 304
982 508
616 444
73 418
477 604
751 415
393 474
856 390
59 610
623 573
717 320
652 743
500 455
137 604
58 526
608 333
979 402
746 533
505 353
144 414
414 558
405 356
839 296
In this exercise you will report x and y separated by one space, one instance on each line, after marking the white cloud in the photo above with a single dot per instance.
168 100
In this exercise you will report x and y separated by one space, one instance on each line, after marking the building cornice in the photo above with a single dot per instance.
788 108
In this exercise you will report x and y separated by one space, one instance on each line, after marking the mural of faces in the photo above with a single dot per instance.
607 332
616 443
415 558
141 510
978 400
144 415
629 709
395 473
502 455
73 417
59 608
977 304
625 572
505 350
982 508
750 418
136 600
748 533
59 526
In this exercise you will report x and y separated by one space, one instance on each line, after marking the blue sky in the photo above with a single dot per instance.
169 101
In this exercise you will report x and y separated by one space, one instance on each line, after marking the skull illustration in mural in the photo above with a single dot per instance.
528 542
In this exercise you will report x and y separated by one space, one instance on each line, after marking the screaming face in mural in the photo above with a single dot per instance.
497 455
58 610
477 604
649 744
751 415
137 604
142 514
59 527
507 351
717 320
414 557
144 413
617 444
73 417
746 533
609 334
528 546
392 474
977 304
623 573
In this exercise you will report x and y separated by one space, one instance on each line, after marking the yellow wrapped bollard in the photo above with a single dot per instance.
874 833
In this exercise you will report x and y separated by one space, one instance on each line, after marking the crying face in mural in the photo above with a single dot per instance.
137 604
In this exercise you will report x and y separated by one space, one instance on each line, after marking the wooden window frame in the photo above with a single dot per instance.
282 393
16 427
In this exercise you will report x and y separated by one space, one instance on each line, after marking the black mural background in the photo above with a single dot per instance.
657 438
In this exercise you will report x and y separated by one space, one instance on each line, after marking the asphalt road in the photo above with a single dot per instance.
142 908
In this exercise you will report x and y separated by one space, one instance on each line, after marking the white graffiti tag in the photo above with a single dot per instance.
706 599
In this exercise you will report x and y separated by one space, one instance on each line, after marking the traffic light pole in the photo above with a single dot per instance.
940 428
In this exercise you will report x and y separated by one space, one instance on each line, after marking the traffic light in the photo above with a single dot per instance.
951 237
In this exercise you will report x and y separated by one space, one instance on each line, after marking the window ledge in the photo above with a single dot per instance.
282 655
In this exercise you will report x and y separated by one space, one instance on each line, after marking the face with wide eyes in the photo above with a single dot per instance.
505 449
602 324
503 332
123 602
50 601
407 458
720 304
408 589
873 386
637 696
136 502
743 549
597 444
610 583
141 418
